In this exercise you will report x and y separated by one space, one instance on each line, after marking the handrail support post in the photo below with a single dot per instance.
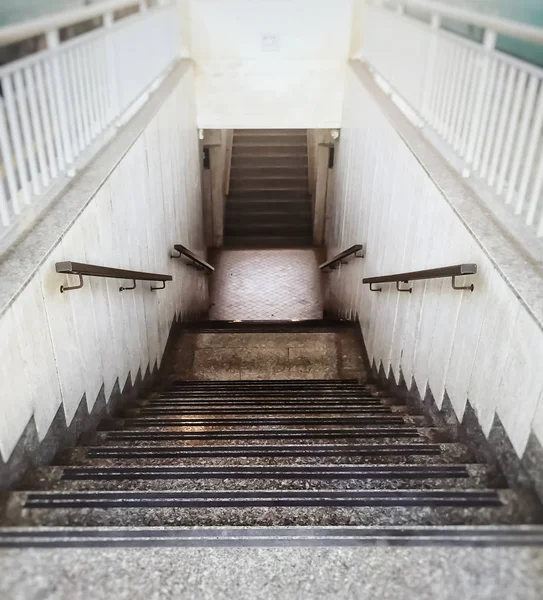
461 287
403 289
372 289
65 288
122 289
159 288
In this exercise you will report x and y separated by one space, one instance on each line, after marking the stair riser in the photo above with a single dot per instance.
242 183
248 242
243 172
299 194
249 160
269 150
298 139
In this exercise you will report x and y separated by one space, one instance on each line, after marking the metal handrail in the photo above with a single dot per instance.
82 269
452 271
197 263
339 258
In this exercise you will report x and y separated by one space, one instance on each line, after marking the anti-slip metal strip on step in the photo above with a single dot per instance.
293 400
309 450
150 422
264 498
372 410
261 406
392 432
315 383
255 472
233 537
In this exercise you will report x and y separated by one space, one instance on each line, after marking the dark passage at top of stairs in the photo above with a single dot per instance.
287 461
269 204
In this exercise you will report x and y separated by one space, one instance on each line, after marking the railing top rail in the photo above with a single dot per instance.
74 268
198 261
497 24
339 257
18 32
451 271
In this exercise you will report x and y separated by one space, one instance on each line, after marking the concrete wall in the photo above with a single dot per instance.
485 346
56 349
270 63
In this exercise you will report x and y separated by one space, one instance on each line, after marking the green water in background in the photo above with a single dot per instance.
525 11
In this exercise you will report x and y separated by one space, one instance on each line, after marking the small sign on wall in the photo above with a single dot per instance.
270 42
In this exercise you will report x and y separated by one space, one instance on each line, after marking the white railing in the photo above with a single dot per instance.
56 104
484 106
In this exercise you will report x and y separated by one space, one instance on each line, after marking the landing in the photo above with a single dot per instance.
266 285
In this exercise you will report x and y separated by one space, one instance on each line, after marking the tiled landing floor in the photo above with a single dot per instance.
266 285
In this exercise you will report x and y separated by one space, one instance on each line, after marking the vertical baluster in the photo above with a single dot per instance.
77 99
485 115
519 152
47 119
452 109
5 147
470 104
512 130
89 85
69 98
500 134
29 144
111 69
535 140
55 121
4 210
464 96
84 109
36 126
16 138
535 200
437 92
494 112
447 89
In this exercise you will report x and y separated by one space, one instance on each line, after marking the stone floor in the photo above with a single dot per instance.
388 573
230 356
266 285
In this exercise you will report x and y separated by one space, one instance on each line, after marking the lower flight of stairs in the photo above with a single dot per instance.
267 462
269 204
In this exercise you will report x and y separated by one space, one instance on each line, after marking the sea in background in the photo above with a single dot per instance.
525 11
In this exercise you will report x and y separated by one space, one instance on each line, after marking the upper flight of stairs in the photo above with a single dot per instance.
273 462
269 203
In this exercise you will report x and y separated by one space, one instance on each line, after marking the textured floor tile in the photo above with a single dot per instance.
266 285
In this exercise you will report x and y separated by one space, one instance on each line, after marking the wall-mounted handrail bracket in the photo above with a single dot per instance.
331 265
66 288
133 287
372 289
403 289
461 287
195 262
81 269
159 288
452 271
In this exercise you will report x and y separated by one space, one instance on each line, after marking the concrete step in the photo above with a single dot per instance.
271 453
249 160
248 214
267 182
386 435
264 507
244 171
279 229
257 193
333 477
270 138
269 150
493 537
244 132
262 242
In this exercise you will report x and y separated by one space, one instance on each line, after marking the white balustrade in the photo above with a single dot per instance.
484 106
56 104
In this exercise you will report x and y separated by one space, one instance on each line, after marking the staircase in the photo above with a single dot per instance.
303 459
269 204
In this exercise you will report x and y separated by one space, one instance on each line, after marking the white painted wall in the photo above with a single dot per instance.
270 63
484 345
55 348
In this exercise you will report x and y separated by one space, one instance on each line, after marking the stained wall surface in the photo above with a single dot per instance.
56 349
485 346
